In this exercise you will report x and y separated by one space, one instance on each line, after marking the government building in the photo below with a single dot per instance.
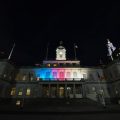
61 78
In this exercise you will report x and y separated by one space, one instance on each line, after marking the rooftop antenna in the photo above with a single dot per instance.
75 47
11 51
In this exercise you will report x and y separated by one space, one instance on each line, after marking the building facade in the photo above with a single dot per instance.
61 78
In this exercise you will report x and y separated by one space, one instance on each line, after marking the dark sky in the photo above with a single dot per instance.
33 24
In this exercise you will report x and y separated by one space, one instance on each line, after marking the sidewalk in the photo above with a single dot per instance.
61 109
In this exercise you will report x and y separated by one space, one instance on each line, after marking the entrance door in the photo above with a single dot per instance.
45 91
78 91
53 91
61 91
69 91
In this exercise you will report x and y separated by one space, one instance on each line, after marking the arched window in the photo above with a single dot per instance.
68 75
74 74
54 74
13 91
61 75
28 92
47 74
85 76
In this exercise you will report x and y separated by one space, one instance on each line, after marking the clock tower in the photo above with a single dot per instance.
60 52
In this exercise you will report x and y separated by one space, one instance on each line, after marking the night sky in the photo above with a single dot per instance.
34 24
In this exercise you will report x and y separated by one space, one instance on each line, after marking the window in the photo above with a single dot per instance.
93 89
68 75
18 102
91 76
24 77
74 74
61 75
38 75
4 75
54 74
48 65
38 78
47 74
20 91
28 92
55 65
85 76
13 91
31 78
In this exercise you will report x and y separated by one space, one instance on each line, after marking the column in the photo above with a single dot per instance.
74 91
83 90
57 90
65 90
49 90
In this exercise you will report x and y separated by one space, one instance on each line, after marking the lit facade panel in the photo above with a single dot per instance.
58 73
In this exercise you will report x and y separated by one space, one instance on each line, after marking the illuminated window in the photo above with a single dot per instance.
74 74
18 103
47 74
31 78
61 74
28 92
38 78
13 91
5 75
55 74
20 91
93 89
68 75
24 77
48 65
54 65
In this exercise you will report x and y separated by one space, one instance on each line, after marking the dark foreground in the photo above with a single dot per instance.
62 116
60 110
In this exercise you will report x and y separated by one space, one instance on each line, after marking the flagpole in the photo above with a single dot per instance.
75 51
11 52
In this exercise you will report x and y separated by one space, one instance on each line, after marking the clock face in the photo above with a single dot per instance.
60 53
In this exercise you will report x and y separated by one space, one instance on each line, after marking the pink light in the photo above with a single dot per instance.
61 74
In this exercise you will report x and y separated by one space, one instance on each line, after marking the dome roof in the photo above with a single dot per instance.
60 47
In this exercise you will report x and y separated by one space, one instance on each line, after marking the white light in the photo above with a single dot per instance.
60 53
